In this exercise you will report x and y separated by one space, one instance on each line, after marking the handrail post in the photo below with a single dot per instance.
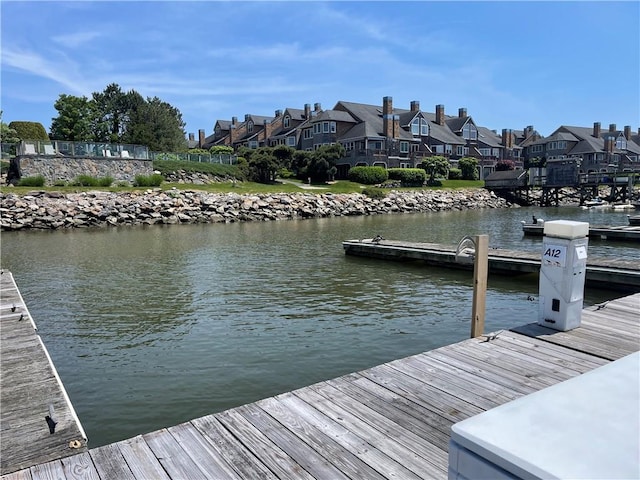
480 270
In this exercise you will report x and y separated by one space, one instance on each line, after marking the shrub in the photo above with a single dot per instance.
148 180
374 192
105 181
455 174
409 177
469 168
59 183
505 165
29 130
85 181
36 181
434 183
368 175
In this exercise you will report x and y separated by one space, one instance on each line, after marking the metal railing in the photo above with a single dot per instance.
63 148
224 159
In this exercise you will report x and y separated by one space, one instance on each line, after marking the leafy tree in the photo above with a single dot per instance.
505 165
263 165
112 107
436 166
322 164
284 154
7 134
29 130
75 119
469 168
156 124
299 163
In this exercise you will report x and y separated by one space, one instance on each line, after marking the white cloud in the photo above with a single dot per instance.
75 40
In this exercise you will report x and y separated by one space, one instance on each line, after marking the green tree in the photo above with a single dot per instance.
469 168
29 130
75 119
7 134
299 163
156 124
322 164
112 107
436 166
263 165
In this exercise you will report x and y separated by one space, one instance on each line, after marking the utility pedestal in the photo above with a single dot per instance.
562 274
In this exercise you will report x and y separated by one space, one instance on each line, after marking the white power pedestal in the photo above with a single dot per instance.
562 274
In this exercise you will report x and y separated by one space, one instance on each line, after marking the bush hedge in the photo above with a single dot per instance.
148 180
368 175
455 174
409 177
36 181
29 130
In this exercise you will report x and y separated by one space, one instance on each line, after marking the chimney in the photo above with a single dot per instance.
201 138
307 111
504 138
396 126
596 129
528 131
192 137
232 130
612 127
278 113
387 117
415 106
266 131
440 114
462 112
234 120
627 132
317 107
246 117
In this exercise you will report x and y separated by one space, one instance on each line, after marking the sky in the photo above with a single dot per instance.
510 64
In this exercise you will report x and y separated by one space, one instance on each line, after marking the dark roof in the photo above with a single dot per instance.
295 113
489 137
223 124
334 115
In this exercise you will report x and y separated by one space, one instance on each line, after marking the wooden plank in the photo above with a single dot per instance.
230 450
19 475
392 446
48 471
79 467
403 417
372 456
314 463
202 452
172 456
141 460
346 460
277 460
432 454
110 463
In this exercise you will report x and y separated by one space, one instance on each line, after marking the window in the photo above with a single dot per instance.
317 128
448 149
286 121
253 144
328 127
307 133
438 148
332 125
419 126
469 131
404 147
485 152
377 145
621 143
536 148
460 150
250 127
291 141
349 145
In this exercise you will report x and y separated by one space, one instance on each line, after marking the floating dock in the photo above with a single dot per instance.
613 274
626 233
390 421
30 391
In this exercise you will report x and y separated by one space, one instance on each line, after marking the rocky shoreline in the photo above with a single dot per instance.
52 210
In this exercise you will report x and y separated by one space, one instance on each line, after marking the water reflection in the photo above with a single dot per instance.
152 326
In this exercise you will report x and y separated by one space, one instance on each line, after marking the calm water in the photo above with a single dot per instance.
153 326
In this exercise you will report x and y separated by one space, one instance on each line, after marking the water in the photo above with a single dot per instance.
152 326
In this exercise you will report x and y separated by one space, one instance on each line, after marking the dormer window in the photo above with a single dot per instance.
419 126
250 127
621 143
470 132
286 121
217 129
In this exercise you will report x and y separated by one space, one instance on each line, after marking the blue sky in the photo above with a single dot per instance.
510 64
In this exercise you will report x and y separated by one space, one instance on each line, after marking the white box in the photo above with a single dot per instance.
566 229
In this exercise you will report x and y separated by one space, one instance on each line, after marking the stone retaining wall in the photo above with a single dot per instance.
65 169
51 210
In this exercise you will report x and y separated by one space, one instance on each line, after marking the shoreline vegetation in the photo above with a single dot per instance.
51 210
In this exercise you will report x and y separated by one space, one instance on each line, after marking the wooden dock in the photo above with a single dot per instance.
626 233
30 390
613 274
390 421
